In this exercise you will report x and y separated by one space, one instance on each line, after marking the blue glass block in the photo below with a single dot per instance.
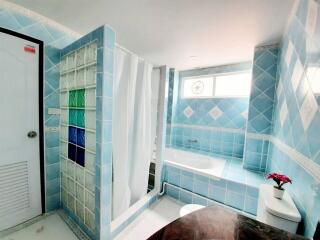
72 150
80 156
80 118
73 135
80 137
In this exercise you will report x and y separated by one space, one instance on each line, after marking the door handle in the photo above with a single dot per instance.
32 134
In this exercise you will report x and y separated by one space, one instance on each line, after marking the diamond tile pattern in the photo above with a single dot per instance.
215 113
210 112
188 112
301 129
303 111
260 116
264 75
297 75
231 116
283 112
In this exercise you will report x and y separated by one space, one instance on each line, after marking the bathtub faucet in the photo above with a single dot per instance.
192 141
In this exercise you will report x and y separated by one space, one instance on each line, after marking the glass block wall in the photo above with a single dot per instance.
78 135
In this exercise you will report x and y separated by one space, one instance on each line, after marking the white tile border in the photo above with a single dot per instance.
310 166
38 17
258 136
306 163
218 129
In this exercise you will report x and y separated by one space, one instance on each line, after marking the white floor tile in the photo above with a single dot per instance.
151 220
49 228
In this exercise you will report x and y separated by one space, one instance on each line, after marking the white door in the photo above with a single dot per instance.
20 191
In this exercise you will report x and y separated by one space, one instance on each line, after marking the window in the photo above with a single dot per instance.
234 85
197 87
219 86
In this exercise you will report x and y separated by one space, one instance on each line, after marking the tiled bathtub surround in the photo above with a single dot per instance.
256 152
238 188
223 141
264 76
54 37
212 124
296 112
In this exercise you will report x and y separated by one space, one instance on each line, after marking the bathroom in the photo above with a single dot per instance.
160 119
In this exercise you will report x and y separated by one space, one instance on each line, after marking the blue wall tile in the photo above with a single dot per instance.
202 190
185 197
232 117
173 192
291 131
235 200
251 205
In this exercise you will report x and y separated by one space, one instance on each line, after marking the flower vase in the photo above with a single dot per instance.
278 193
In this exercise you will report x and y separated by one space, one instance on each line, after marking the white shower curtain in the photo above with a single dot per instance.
132 143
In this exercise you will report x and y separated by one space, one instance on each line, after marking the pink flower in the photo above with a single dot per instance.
279 179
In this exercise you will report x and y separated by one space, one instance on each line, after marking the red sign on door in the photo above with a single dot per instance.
30 49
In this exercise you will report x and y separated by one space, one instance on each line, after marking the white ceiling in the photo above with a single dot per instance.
171 31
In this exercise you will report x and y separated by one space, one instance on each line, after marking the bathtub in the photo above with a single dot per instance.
197 163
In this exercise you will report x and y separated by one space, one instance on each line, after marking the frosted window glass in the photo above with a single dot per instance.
197 87
234 85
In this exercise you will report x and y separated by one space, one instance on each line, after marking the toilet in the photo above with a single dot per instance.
189 208
282 214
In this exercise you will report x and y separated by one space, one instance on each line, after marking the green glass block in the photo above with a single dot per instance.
73 98
80 118
81 98
73 117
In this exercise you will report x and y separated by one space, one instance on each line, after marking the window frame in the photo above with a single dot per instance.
214 77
